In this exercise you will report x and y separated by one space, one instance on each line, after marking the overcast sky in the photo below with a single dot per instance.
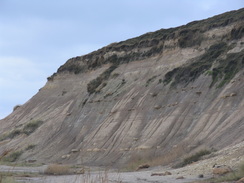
38 36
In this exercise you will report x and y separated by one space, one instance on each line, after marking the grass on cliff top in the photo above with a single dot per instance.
188 35
202 25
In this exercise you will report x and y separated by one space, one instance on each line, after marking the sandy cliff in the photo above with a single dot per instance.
163 94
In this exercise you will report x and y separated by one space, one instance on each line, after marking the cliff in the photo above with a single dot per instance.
160 95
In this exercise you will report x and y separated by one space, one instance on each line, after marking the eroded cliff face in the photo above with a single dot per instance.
163 94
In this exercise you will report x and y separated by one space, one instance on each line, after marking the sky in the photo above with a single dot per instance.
38 36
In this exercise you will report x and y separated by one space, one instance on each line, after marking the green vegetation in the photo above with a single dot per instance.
115 75
188 35
6 178
241 169
190 72
232 176
10 135
227 68
160 81
16 107
237 32
150 80
223 71
31 126
100 81
195 157
186 31
72 65
27 129
13 134
13 156
30 147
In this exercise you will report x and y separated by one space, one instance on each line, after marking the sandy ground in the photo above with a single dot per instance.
231 156
111 177
143 176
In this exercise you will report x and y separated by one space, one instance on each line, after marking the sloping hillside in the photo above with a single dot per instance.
161 95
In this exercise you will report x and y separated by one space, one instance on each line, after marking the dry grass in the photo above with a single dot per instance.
233 176
166 159
230 177
7 179
171 156
55 169
101 177
88 177
193 158
135 162
10 177
12 157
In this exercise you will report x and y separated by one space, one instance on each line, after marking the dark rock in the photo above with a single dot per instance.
161 174
200 176
220 170
143 166
30 161
180 177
